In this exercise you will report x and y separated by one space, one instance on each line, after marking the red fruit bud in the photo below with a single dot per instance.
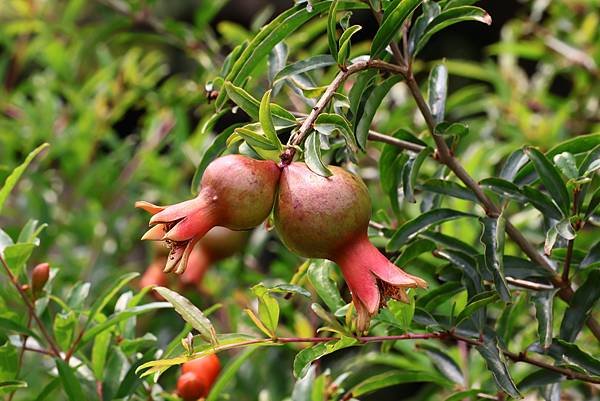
206 368
237 192
190 387
328 218
39 277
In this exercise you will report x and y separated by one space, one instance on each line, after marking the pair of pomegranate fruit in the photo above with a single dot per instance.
315 216
197 377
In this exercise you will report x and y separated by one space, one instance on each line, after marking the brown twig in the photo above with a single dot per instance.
31 307
405 145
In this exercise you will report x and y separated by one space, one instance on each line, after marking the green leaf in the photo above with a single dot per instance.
415 249
414 227
7 324
410 173
450 188
495 362
444 363
305 65
431 9
253 138
395 14
9 360
569 353
592 257
99 353
438 90
16 256
435 296
109 294
277 30
71 383
268 308
371 106
539 378
464 395
477 302
551 178
319 273
281 117
450 17
402 312
543 301
451 129
228 373
64 327
288 289
327 123
504 188
266 121
332 30
565 162
513 163
492 239
304 358
581 305
393 378
190 313
312 156
16 174
542 202
8 386
344 51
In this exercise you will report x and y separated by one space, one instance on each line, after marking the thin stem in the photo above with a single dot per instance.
406 145
530 285
22 353
31 308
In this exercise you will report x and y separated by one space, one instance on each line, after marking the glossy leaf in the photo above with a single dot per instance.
332 30
319 273
444 363
71 383
396 13
312 156
581 305
344 50
504 188
305 65
431 9
410 173
513 163
492 239
543 203
266 121
551 178
307 356
438 90
565 162
412 228
495 362
543 301
449 188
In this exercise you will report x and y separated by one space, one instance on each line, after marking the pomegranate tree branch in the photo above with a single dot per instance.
307 124
446 157
442 335
31 308
399 143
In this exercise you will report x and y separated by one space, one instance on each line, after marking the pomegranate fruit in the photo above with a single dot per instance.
198 377
190 387
328 217
236 192
39 277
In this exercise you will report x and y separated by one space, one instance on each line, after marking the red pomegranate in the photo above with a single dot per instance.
198 377
237 192
328 217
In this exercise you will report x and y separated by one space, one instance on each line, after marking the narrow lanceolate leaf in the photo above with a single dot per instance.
513 163
344 50
328 123
592 258
412 228
266 121
438 89
277 30
71 384
319 273
504 188
543 301
13 178
332 30
190 314
451 17
581 305
431 9
312 155
371 106
565 162
229 372
305 357
410 173
305 65
252 138
566 352
281 117
395 14
478 302
543 203
495 362
492 238
444 363
448 188
109 294
550 178
395 377
7 386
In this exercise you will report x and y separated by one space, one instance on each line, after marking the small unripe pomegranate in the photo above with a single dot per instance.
198 377
236 192
190 387
328 217
39 277
154 276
